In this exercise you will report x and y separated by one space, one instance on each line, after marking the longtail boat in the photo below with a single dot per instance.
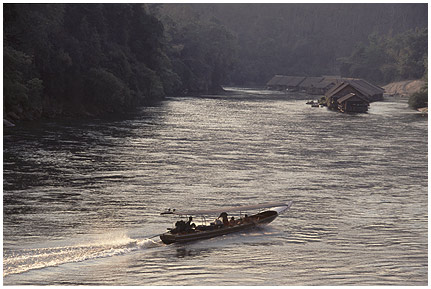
267 212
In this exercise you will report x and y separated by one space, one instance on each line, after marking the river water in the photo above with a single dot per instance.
81 198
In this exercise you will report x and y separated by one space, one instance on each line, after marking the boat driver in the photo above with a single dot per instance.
190 225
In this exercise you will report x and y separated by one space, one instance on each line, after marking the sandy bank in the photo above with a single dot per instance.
403 88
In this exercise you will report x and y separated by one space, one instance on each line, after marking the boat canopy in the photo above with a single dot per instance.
227 209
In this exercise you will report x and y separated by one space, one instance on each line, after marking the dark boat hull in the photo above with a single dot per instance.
256 220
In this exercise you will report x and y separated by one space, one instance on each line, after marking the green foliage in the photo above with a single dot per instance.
104 89
15 93
35 90
419 99
111 57
202 51
387 59
96 57
18 90
297 39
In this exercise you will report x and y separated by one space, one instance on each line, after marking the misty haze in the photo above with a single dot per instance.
215 144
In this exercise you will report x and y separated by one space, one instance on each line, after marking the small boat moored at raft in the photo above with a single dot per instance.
193 232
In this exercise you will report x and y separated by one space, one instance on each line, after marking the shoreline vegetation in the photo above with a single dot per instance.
89 60
96 59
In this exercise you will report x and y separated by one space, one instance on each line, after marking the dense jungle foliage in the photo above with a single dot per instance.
90 59
386 59
420 98
98 58
389 58
81 58
315 39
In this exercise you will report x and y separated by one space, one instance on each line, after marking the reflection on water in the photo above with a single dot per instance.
81 197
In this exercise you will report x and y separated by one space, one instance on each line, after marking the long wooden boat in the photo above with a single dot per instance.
206 232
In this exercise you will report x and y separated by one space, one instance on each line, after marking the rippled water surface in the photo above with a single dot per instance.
81 198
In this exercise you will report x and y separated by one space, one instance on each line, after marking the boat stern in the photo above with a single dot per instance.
167 238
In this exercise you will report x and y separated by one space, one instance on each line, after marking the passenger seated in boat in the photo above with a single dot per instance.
246 219
218 223
224 218
232 221
180 226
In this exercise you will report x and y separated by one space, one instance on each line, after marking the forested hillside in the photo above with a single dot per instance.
386 59
101 58
303 39
90 59
81 58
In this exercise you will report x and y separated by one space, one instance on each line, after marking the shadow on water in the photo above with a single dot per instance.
49 152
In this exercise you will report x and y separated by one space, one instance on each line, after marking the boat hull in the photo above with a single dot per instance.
255 220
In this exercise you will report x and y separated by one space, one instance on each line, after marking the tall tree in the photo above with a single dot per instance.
83 58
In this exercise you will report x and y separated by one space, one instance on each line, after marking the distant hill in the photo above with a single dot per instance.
298 39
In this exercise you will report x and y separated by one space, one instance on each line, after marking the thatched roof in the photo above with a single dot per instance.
283 80
310 81
350 96
366 87
324 83
338 87
363 86
274 80
294 81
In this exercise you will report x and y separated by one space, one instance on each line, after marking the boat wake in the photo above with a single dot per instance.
29 259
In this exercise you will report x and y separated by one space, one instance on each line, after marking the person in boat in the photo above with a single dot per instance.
232 221
189 222
224 218
180 226
189 226
217 223
246 219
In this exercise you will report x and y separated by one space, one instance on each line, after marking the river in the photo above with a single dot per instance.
82 198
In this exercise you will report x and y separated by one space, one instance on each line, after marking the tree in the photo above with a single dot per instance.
385 59
75 58
202 51
419 99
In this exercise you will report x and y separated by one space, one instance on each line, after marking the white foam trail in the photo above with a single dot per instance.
30 259
148 243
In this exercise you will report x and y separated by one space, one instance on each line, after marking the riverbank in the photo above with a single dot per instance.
401 88
404 88
80 110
